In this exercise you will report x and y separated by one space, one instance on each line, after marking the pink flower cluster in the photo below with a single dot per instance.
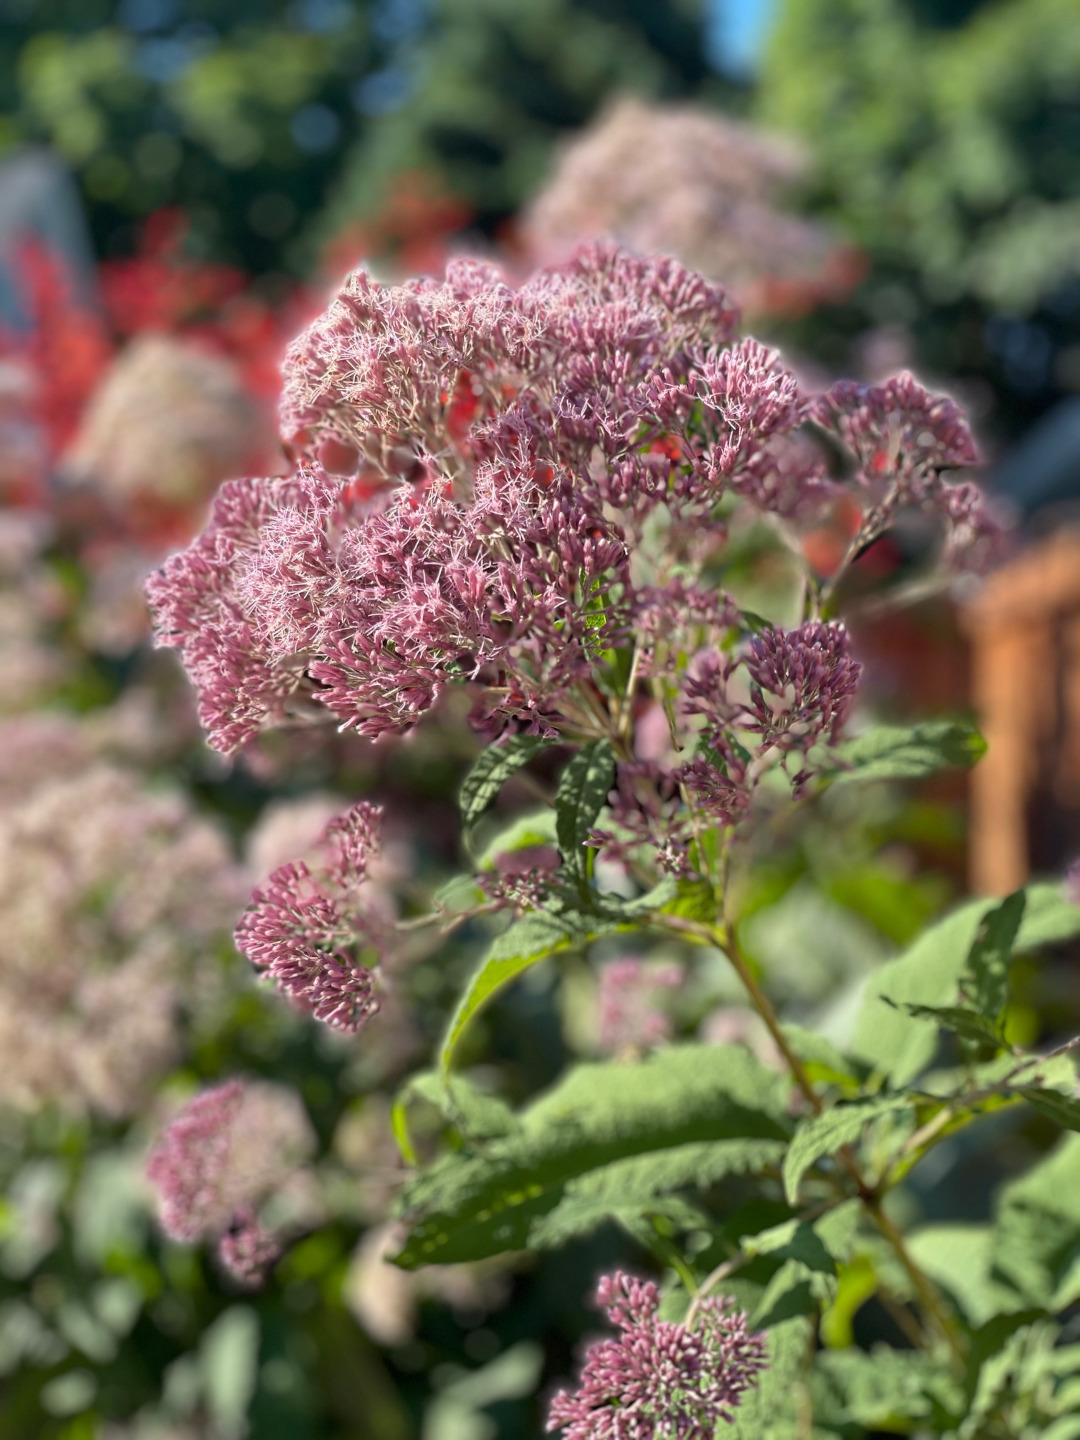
477 464
659 1380
227 1150
631 1013
312 932
527 491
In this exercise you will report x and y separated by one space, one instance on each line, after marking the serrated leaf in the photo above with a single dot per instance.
583 791
693 900
492 770
466 1207
876 1391
957 1257
528 940
829 1132
644 1185
968 1024
769 1411
821 1057
1036 1249
581 1214
808 1251
985 981
928 973
895 752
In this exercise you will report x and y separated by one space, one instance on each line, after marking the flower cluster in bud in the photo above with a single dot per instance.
659 1380
228 1150
313 932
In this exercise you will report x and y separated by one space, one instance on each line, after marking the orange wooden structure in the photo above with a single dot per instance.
1024 631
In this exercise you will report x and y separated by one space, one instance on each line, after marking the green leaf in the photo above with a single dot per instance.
468 1206
528 940
830 1131
537 827
582 794
693 900
770 1411
894 752
877 1391
477 1115
823 1060
968 1024
985 981
1064 1110
928 973
491 771
1036 1248
958 1257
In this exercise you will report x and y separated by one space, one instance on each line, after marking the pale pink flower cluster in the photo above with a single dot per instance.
32 605
114 896
168 423
631 1004
686 182
229 1150
659 1380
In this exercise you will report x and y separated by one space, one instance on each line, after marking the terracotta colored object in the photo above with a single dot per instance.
1024 629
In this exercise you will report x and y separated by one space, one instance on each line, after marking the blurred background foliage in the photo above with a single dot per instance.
945 136
272 124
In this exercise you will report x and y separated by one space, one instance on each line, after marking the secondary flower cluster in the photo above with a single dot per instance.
659 1380
111 894
695 184
315 933
631 1009
228 1150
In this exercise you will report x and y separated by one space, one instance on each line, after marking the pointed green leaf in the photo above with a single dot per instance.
985 981
1064 1110
881 1391
928 973
582 794
830 1131
536 827
968 1024
491 771
1035 1249
893 752
529 940
622 1117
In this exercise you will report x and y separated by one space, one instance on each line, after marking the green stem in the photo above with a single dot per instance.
930 1299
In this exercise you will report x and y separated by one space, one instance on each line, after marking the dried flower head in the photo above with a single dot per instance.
659 1380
